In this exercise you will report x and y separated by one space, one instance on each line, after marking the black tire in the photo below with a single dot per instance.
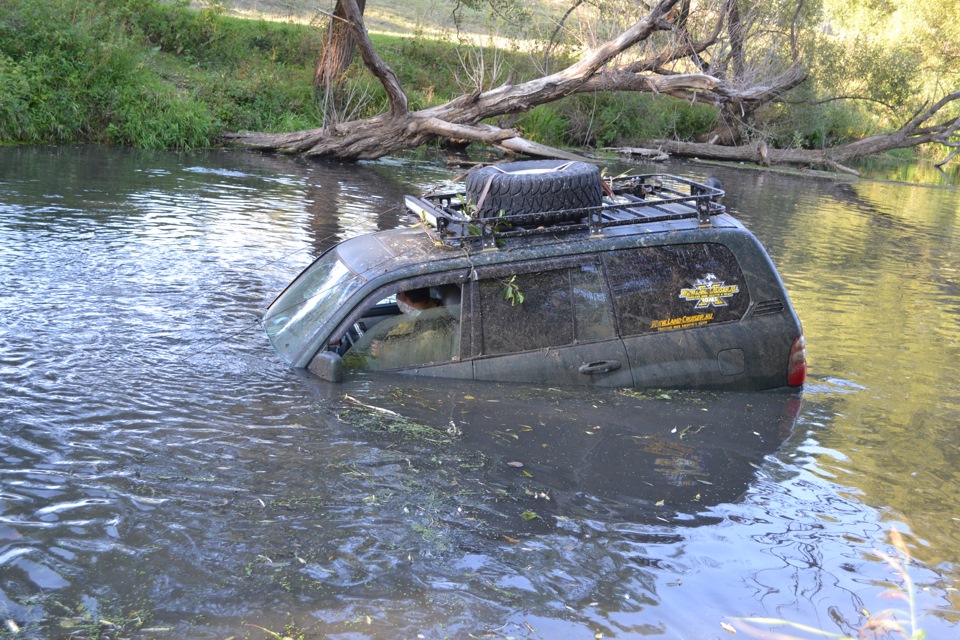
528 190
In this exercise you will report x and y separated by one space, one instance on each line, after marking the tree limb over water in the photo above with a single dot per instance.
922 128
614 65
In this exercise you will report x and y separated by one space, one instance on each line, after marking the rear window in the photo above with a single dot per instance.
675 287
545 309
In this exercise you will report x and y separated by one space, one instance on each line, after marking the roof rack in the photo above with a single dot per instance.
629 200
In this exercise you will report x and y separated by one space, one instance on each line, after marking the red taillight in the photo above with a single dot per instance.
797 364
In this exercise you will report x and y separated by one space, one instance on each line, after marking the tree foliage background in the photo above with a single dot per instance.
175 74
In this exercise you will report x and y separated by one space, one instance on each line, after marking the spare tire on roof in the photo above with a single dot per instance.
527 190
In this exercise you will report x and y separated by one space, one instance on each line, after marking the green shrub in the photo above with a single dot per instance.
622 119
544 124
157 117
148 73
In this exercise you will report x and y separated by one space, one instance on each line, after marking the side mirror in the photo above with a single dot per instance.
328 366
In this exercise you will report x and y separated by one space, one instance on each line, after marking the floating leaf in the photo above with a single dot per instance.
527 473
510 540
728 627
528 515
515 464
659 503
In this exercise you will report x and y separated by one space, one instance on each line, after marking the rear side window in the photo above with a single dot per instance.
675 287
545 309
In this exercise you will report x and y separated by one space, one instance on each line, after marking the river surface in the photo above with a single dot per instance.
164 475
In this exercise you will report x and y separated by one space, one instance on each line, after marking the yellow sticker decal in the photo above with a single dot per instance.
709 292
683 322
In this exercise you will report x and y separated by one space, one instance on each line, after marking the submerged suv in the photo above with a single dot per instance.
542 272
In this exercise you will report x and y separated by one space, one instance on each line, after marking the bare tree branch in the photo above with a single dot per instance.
556 32
947 159
913 133
462 118
379 68
642 30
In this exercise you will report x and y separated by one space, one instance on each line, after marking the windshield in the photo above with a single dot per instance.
295 318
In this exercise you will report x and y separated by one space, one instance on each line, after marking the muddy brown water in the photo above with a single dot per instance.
163 474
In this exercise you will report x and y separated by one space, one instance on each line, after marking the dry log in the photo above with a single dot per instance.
921 129
652 155
400 129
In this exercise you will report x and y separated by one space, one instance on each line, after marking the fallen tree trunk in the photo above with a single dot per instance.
400 129
651 155
462 119
918 130
757 153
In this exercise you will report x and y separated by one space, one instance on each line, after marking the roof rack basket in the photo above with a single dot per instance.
629 200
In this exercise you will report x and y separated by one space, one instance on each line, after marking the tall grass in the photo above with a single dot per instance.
145 73
68 73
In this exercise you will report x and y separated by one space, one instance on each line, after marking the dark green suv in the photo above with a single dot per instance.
542 272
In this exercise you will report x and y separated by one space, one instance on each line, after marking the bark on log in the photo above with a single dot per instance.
340 47
651 155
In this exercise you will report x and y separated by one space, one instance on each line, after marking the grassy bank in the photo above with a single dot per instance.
163 75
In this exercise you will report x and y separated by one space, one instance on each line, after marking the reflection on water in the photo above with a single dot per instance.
161 468
918 172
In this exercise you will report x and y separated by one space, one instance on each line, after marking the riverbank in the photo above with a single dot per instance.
167 75
153 74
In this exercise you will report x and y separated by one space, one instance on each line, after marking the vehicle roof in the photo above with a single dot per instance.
418 246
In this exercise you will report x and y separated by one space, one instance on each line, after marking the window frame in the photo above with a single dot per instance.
456 276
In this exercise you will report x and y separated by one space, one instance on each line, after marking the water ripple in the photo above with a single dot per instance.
157 459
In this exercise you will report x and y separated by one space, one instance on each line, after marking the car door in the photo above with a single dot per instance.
546 323
678 309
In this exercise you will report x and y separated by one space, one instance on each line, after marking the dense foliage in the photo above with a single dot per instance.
160 74
146 73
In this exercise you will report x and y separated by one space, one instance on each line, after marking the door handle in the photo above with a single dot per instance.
600 366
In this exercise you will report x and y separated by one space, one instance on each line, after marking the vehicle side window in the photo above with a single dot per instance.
675 287
558 307
412 328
